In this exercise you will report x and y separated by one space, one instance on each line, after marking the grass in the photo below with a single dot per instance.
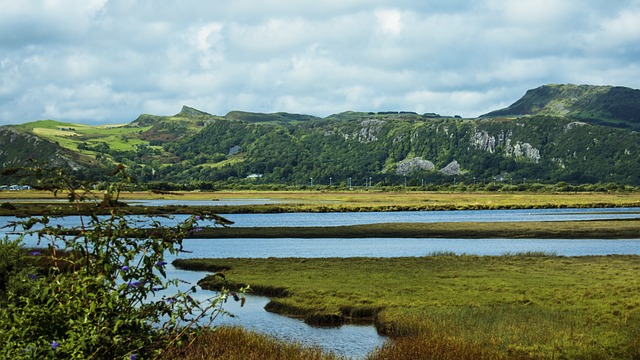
515 306
343 201
373 198
119 137
230 343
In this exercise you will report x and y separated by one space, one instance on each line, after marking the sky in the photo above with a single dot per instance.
108 61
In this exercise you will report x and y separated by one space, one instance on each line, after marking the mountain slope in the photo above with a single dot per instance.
21 148
605 105
554 133
388 148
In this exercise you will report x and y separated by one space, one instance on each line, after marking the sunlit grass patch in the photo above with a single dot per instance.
521 305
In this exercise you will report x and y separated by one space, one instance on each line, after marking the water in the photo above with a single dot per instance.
356 341
402 247
360 218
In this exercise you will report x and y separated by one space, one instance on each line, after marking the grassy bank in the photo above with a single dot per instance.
521 306
17 202
596 229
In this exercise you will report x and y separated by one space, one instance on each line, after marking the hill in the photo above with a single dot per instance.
23 148
575 134
604 105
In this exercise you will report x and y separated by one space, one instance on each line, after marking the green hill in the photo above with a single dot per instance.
389 148
605 105
575 134
20 148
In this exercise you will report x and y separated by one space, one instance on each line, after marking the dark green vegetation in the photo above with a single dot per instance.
612 229
570 134
444 306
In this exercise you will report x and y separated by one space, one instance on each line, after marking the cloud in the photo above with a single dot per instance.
109 61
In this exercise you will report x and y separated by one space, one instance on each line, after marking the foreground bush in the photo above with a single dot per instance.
98 293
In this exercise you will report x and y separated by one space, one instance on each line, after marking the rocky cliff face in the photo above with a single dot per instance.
484 141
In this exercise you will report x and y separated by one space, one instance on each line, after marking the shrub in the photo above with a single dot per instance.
97 292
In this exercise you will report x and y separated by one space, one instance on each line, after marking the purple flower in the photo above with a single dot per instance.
198 229
161 263
124 268
197 217
34 253
33 276
134 283
54 345
133 357
170 300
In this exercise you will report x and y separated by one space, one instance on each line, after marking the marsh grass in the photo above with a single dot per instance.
524 305
343 201
230 343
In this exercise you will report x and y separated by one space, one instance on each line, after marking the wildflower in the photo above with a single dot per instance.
124 268
170 300
54 345
161 263
197 217
33 276
198 229
34 253
133 357
134 283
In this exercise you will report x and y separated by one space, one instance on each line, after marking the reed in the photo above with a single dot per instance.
230 343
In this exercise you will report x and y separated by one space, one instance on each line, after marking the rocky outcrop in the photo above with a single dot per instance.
408 166
369 130
484 141
453 168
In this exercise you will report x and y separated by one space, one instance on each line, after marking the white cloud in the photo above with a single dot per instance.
109 61
390 21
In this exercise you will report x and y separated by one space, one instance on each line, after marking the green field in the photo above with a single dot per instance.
513 306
